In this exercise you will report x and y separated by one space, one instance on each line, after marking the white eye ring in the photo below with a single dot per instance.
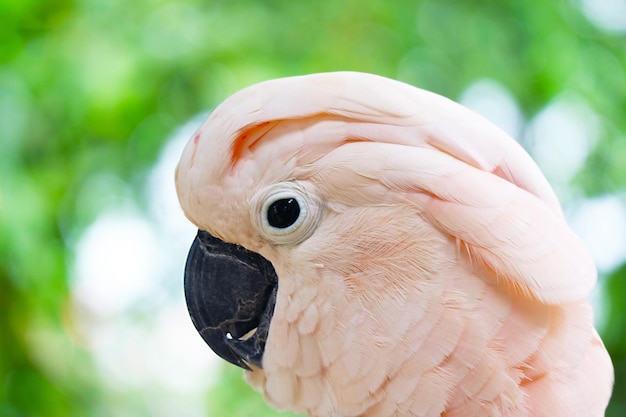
287 203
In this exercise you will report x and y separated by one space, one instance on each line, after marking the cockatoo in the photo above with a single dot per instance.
367 248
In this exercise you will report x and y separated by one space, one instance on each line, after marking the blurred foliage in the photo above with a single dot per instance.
614 336
95 86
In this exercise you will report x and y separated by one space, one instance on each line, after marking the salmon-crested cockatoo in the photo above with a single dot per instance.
367 248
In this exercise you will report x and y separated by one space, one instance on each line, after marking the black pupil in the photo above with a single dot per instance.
283 213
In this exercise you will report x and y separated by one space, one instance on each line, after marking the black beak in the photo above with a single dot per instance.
231 293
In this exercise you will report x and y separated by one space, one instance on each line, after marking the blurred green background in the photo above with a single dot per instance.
98 96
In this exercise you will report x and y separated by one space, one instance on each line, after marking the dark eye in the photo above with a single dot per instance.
286 213
283 213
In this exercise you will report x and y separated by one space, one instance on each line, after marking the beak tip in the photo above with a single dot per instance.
222 346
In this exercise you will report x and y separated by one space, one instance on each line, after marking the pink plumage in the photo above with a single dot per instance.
432 274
